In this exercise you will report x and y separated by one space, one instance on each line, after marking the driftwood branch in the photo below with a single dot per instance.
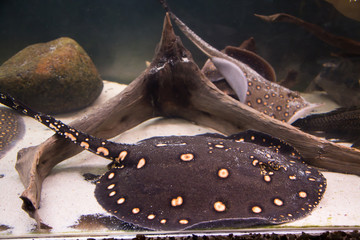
116 116
347 45
173 86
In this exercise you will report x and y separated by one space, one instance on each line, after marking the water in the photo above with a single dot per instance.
121 35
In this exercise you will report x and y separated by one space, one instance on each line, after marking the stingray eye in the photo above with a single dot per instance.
115 164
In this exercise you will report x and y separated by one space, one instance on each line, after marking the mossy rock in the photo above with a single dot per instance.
53 77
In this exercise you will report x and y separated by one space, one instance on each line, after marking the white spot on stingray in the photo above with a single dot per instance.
120 201
122 156
135 210
161 144
184 221
175 202
256 209
278 202
84 145
187 157
267 178
141 163
223 173
102 150
302 194
53 127
111 175
68 135
219 206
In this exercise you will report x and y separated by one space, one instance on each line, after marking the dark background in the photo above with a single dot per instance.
121 35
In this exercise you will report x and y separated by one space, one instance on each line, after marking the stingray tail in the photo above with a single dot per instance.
102 147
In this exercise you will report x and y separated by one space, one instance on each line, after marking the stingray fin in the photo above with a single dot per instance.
233 75
303 112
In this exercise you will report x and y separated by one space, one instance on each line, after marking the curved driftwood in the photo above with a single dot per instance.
173 86
346 44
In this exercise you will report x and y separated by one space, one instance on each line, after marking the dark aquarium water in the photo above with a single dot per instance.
121 35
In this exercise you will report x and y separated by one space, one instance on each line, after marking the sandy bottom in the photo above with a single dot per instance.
67 198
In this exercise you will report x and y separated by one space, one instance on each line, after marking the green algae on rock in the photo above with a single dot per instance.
54 77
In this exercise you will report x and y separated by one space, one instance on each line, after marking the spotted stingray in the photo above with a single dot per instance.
250 87
11 129
202 181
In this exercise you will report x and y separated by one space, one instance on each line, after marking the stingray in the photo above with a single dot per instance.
11 129
202 181
172 86
250 87
240 53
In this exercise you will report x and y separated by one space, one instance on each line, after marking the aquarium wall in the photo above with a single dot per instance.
121 35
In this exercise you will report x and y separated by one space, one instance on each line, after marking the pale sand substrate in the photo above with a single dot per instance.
66 195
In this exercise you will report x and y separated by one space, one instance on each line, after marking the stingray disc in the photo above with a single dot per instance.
11 129
206 181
